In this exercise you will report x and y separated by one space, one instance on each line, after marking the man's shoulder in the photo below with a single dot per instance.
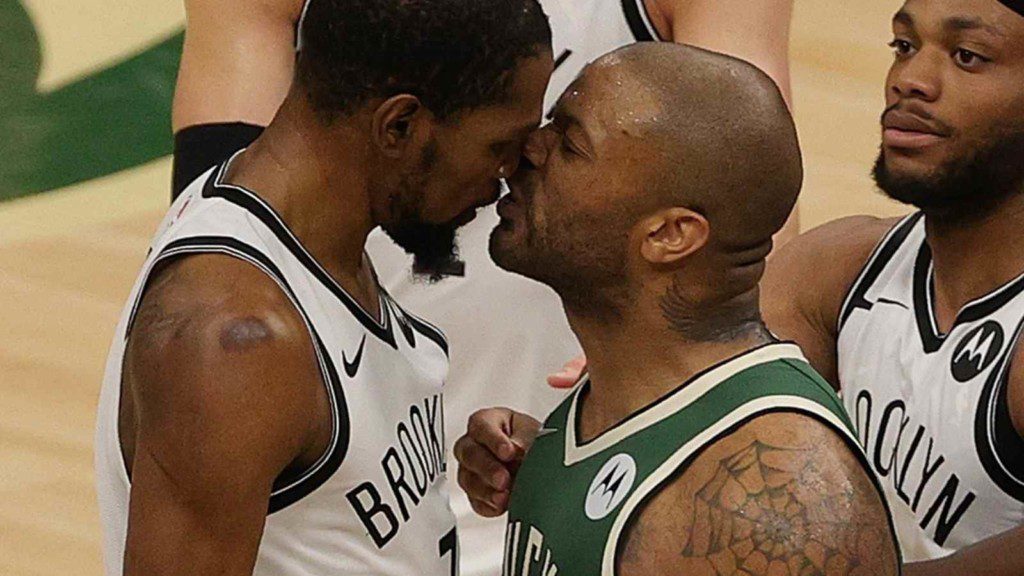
850 239
213 325
783 489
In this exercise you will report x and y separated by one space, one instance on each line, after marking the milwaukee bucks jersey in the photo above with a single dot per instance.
572 500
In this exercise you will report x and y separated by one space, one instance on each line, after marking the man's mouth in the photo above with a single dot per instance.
907 131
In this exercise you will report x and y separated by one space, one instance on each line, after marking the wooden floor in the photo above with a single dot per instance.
67 258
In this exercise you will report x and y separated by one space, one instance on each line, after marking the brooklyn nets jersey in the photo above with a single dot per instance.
376 501
572 500
930 408
508 333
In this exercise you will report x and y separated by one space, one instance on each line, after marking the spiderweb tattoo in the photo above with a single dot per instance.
776 511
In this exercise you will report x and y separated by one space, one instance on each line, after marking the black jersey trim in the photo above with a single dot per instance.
291 488
999 445
846 436
639 21
429 330
583 389
922 294
879 259
924 301
252 203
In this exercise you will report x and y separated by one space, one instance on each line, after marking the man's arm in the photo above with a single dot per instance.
782 496
236 68
806 282
757 32
222 389
237 61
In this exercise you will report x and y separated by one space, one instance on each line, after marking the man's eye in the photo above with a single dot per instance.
968 59
901 47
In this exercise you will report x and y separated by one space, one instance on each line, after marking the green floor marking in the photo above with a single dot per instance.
109 121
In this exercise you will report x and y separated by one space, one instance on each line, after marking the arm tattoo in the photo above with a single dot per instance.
781 511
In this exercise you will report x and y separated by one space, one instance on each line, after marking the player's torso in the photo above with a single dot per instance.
573 500
930 409
376 502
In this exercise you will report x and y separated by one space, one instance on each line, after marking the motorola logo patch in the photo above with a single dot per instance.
610 486
977 351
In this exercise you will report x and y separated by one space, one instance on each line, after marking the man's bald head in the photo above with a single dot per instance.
718 133
664 165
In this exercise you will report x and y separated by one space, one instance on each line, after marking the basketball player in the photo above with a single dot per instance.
235 69
697 443
267 408
918 321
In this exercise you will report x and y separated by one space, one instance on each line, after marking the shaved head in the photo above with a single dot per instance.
663 176
720 137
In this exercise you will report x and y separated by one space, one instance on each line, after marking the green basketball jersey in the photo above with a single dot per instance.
572 499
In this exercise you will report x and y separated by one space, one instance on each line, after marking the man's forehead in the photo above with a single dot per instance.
609 99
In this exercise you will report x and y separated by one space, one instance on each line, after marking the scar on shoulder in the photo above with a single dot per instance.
243 333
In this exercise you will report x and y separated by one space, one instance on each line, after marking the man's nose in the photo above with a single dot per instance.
537 146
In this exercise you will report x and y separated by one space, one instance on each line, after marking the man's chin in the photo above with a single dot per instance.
504 248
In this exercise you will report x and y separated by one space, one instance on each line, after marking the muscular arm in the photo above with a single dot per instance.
236 65
781 496
807 280
220 391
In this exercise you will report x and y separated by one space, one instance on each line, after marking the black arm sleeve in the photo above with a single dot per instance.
199 147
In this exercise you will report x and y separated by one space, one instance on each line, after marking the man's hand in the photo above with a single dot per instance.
489 455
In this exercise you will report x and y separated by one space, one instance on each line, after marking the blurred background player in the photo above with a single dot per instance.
696 443
507 333
268 408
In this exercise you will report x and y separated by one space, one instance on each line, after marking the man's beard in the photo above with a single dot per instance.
588 274
967 187
435 255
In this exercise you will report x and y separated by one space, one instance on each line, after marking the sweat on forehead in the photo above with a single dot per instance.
613 98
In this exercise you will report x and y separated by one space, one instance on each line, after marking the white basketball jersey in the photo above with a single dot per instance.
507 333
931 408
376 502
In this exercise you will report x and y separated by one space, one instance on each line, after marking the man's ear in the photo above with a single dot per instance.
671 235
395 122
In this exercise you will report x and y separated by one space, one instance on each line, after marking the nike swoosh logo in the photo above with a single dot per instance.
352 367
545 431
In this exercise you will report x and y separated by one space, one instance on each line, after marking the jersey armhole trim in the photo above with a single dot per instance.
681 460
251 203
873 268
292 488
1000 447
639 21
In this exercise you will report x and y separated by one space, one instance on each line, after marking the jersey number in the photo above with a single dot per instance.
449 543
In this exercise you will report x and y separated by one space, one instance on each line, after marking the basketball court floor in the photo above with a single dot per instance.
68 256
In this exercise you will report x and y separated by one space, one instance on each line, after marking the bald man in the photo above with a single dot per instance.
696 444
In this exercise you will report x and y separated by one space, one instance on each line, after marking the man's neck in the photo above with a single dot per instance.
316 182
972 259
635 360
